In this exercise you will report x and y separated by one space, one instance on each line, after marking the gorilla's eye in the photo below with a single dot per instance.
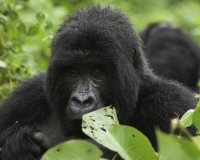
72 74
97 71
73 71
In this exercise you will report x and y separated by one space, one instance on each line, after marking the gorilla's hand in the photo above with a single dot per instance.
22 143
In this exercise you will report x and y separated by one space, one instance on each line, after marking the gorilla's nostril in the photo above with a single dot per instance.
88 101
76 99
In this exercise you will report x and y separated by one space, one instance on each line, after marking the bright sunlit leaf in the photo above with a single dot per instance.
103 126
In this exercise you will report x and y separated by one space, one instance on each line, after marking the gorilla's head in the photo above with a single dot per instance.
96 61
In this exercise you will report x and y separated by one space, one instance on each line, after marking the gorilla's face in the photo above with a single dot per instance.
79 84
86 83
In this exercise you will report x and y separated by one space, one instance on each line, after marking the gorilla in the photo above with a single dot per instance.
96 61
172 53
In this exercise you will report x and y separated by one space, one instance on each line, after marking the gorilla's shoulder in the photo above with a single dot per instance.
32 85
162 93
30 93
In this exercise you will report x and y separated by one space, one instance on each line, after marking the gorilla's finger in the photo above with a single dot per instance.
40 139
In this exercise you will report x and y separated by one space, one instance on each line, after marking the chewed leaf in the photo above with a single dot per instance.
95 124
100 118
102 125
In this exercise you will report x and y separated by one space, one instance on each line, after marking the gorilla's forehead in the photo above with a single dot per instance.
88 39
83 57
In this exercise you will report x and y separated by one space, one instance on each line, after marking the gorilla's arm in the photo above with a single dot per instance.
24 110
26 105
159 102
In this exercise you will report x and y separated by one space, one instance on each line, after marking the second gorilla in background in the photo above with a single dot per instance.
171 53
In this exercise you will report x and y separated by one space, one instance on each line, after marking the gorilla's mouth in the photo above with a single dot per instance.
76 132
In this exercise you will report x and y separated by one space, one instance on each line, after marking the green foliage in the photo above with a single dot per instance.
49 25
21 28
73 150
192 117
175 148
186 119
196 117
40 17
16 54
102 126
33 30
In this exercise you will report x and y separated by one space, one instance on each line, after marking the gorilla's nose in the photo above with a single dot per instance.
83 100
80 104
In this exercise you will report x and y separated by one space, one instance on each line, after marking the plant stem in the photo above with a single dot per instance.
115 156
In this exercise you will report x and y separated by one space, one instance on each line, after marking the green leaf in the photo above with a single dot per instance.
73 150
16 46
99 119
186 119
49 25
3 17
12 28
130 143
196 140
13 15
2 64
174 148
102 125
32 30
198 83
196 117
40 17
21 28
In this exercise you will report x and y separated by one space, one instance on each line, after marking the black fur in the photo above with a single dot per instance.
91 36
172 53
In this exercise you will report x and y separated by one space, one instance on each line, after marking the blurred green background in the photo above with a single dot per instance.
27 27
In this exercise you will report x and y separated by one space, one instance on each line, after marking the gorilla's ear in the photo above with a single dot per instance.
134 55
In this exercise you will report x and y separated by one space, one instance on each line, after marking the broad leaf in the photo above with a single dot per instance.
196 117
186 119
196 140
13 15
40 17
175 148
49 25
21 28
103 126
73 150
33 30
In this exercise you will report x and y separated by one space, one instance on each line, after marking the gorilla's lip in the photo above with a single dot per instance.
76 131
80 135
